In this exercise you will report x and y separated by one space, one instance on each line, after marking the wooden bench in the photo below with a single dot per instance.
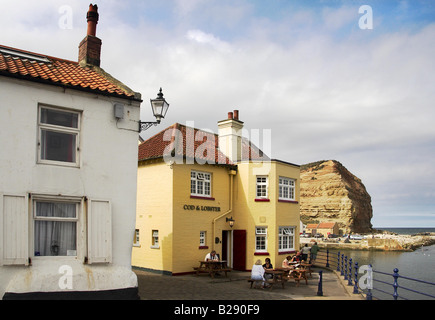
270 282
298 275
211 272
254 281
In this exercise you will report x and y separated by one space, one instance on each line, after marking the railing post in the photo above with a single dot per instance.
319 287
349 282
355 286
345 268
342 264
338 261
327 258
369 287
395 284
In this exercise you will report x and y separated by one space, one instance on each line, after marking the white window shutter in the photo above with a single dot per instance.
99 231
14 230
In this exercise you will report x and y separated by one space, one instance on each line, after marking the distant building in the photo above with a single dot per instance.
199 191
324 228
327 228
68 175
311 228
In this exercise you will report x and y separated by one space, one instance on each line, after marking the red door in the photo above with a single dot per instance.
239 250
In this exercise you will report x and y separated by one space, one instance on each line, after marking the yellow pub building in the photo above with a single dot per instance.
199 191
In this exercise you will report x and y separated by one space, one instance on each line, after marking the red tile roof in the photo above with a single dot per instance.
326 225
184 145
36 67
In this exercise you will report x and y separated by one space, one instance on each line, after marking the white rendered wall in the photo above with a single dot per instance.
107 170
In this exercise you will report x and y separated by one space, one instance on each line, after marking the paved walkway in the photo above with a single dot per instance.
236 287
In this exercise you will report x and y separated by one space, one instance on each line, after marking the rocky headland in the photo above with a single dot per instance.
331 193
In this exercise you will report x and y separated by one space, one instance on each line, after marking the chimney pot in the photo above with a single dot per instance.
90 47
230 115
236 114
92 18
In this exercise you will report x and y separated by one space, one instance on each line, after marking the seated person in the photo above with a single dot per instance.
286 262
212 256
268 266
257 273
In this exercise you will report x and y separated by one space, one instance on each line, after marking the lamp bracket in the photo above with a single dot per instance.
143 125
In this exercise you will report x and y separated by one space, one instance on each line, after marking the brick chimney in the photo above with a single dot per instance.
90 47
230 136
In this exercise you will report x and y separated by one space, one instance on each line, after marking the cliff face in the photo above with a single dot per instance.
330 193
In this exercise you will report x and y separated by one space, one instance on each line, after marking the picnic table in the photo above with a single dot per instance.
212 267
278 276
295 273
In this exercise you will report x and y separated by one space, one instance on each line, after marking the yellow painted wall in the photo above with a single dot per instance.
272 214
163 192
154 212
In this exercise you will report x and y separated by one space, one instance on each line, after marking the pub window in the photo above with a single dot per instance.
136 238
155 239
260 239
286 238
286 189
202 238
261 192
58 136
200 184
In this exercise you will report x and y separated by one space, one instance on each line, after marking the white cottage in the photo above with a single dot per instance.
68 168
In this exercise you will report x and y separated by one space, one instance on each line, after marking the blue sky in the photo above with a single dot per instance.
326 88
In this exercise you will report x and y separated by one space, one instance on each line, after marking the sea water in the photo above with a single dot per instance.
418 264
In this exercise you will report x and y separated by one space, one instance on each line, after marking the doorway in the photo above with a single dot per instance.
227 244
239 250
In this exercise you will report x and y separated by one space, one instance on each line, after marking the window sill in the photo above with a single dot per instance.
262 200
287 252
261 254
288 201
202 198
154 247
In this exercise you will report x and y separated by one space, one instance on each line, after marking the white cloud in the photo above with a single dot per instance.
207 38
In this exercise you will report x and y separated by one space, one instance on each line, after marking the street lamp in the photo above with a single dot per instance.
159 107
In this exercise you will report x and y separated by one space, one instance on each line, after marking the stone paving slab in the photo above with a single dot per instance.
154 286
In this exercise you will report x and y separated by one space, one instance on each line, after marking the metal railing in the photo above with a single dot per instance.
374 280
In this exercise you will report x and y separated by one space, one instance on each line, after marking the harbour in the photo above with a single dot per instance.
416 264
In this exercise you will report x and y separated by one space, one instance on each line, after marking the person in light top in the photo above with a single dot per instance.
212 256
257 273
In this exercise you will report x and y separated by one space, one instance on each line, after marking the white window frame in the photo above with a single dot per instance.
198 178
286 238
261 187
202 238
287 187
136 238
78 219
61 129
155 239
260 237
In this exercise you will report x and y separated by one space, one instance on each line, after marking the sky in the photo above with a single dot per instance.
351 81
